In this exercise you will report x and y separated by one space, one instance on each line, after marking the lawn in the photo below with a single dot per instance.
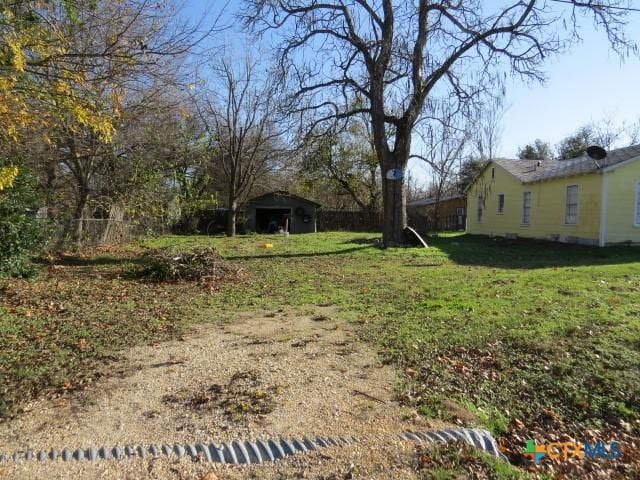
531 340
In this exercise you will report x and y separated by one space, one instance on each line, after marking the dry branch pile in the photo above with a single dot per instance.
199 264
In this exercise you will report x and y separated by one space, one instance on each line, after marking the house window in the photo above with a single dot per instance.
493 173
637 223
460 211
571 206
526 208
480 208
501 203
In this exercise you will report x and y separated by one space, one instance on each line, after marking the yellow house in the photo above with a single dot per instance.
582 200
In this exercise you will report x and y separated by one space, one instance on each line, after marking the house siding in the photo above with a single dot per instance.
494 223
547 219
621 204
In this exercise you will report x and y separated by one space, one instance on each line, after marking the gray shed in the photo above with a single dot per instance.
270 212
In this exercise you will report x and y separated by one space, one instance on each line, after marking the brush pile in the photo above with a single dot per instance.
199 264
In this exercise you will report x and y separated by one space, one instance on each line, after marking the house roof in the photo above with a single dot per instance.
284 194
528 171
433 200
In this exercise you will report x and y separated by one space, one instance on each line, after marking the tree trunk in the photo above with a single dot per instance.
395 213
394 199
231 216
78 214
49 188
394 196
114 230
436 210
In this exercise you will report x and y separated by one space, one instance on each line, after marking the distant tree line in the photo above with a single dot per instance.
130 111
605 134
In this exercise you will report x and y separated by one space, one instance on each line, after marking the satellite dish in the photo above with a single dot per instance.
596 152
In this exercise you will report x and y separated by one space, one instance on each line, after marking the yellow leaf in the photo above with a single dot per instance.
7 176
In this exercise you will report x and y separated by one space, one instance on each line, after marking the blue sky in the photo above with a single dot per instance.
586 85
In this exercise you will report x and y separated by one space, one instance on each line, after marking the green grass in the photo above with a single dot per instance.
453 462
63 329
524 338
528 338
563 318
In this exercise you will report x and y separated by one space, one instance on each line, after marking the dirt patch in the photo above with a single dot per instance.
455 410
243 395
242 380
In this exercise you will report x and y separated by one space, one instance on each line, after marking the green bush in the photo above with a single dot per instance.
21 234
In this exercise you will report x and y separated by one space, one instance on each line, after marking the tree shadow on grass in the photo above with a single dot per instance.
377 241
526 254
300 255
80 261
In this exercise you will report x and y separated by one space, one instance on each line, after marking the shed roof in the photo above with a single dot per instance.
283 194
433 200
528 171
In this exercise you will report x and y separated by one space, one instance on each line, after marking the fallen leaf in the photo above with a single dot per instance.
409 372
209 476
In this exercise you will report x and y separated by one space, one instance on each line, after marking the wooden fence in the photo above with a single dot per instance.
346 220
356 221
447 223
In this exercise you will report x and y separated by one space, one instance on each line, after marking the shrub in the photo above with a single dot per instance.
21 234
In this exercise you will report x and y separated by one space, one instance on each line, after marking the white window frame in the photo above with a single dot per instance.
480 210
636 216
566 203
524 195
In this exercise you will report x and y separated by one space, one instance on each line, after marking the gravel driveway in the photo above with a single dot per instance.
269 375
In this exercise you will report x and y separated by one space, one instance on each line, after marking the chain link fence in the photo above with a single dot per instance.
95 231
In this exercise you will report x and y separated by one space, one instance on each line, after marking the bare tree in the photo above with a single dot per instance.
239 110
488 128
395 57
444 143
608 133
348 160
416 188
633 132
